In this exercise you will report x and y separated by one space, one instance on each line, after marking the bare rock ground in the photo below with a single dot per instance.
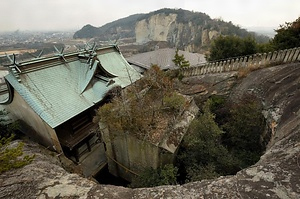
276 175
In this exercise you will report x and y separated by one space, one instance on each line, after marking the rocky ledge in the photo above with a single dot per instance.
276 175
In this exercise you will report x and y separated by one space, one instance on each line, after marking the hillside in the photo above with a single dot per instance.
192 31
112 30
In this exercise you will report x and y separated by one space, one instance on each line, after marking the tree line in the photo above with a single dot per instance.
223 47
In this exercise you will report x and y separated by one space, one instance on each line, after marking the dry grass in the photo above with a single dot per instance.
244 72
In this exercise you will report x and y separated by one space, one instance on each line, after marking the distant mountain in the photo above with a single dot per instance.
268 31
192 31
119 28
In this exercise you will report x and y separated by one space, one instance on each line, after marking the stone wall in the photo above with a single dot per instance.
251 61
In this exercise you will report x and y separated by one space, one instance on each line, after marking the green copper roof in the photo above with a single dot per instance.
65 89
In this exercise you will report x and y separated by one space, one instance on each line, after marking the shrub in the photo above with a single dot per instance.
180 76
202 155
150 177
10 158
175 74
173 102
216 102
223 139
142 109
245 126
243 72
199 172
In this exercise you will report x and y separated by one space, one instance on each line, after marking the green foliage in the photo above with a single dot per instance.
175 74
232 46
244 126
150 177
180 76
197 172
232 29
173 102
202 154
265 47
143 108
6 128
216 102
10 158
223 139
287 35
156 80
179 60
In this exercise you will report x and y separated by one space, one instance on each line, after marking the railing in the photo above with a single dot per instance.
234 64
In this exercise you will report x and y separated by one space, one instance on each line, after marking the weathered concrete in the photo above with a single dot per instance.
128 155
39 129
276 175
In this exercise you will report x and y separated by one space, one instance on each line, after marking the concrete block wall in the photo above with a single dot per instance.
234 64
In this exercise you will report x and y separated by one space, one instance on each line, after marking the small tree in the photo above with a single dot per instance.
180 61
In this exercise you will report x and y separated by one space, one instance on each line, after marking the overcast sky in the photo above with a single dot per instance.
74 14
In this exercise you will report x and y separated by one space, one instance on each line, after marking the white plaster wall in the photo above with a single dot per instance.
38 130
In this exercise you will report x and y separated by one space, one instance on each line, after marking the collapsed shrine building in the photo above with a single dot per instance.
56 97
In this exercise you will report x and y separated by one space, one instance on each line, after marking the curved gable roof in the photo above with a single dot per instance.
62 91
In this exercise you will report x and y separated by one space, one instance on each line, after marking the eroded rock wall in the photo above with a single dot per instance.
162 27
155 28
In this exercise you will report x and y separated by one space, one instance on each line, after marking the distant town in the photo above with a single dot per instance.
11 38
29 41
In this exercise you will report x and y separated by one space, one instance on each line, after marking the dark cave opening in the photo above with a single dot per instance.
104 177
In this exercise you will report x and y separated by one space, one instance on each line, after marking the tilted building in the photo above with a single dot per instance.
55 97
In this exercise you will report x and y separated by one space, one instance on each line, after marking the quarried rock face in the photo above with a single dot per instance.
155 28
167 28
188 30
